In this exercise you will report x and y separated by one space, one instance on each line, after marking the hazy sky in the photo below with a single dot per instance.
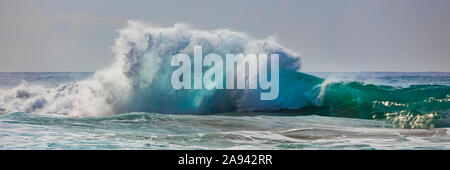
331 35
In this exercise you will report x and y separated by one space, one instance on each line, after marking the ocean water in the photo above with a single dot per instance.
367 119
131 104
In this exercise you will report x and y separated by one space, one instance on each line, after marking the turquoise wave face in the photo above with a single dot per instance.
417 106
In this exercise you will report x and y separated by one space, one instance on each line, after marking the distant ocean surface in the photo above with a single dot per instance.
364 110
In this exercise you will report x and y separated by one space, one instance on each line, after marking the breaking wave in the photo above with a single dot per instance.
139 81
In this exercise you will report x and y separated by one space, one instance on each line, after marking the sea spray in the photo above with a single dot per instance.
213 77
140 77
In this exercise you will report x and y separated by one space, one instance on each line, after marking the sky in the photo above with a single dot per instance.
331 36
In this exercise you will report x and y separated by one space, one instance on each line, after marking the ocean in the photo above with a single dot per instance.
364 110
